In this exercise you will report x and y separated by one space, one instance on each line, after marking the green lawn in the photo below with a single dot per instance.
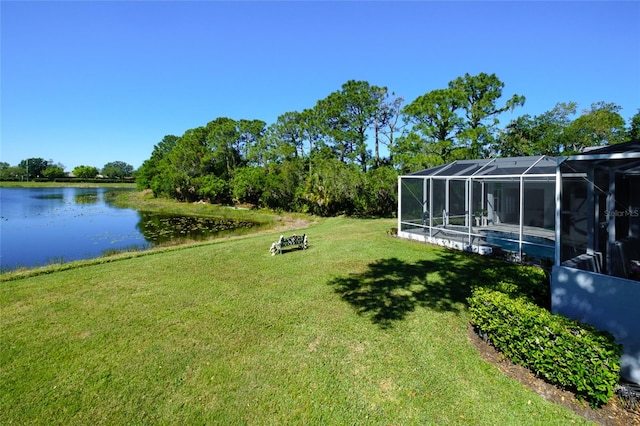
361 328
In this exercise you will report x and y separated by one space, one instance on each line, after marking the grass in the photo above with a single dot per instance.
360 328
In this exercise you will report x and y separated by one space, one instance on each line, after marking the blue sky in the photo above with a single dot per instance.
86 83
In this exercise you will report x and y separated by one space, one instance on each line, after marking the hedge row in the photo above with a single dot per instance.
563 352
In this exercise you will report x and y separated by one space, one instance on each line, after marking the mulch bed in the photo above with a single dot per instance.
612 414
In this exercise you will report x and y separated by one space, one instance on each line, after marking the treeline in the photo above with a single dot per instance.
74 180
41 170
343 155
189 169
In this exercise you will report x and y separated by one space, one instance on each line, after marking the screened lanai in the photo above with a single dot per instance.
502 206
596 276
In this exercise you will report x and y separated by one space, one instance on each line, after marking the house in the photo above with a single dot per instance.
596 272
580 214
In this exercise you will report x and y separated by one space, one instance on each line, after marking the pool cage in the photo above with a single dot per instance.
599 211
596 275
498 206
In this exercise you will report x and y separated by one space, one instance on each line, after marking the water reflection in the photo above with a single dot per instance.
87 197
49 196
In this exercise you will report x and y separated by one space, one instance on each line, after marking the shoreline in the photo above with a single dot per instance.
266 222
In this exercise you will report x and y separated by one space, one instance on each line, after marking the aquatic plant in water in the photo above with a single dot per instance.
160 229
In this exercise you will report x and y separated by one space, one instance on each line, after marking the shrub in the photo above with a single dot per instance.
564 352
531 282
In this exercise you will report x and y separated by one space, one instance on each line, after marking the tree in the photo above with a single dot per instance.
117 169
249 133
480 96
152 167
551 129
380 192
53 171
634 127
387 122
222 141
345 117
248 184
86 172
283 140
201 163
311 129
543 134
334 128
333 188
285 185
599 126
556 133
515 139
7 172
435 123
211 188
33 167
413 154
186 164
164 147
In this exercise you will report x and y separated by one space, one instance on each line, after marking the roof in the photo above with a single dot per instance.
621 151
627 147
623 157
540 165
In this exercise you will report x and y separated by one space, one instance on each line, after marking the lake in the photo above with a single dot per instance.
39 226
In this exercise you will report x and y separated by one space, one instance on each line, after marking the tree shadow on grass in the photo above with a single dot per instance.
391 288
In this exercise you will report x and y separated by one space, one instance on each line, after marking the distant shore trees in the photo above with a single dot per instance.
85 172
41 170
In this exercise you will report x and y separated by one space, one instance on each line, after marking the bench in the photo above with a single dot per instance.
294 240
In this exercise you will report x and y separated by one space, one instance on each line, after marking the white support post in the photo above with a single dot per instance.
467 219
483 205
558 213
425 195
591 218
521 217
445 213
399 203
469 207
430 207
611 228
